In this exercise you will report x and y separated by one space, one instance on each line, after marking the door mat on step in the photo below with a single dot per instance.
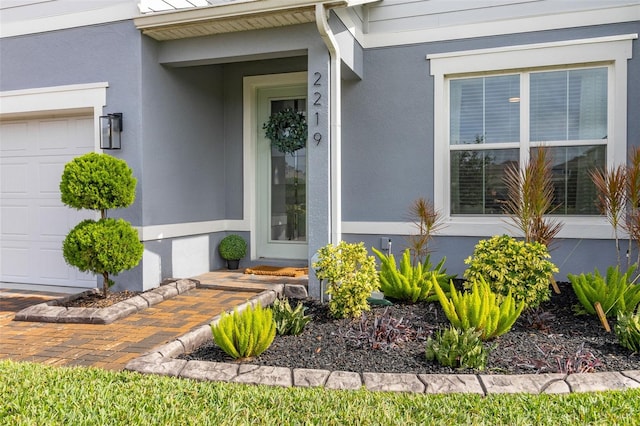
280 271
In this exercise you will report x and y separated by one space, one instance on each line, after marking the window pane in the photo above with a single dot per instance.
477 185
485 109
569 105
575 193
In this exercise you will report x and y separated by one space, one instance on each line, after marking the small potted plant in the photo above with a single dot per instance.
232 248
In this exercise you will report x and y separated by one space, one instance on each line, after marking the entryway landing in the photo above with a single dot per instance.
238 280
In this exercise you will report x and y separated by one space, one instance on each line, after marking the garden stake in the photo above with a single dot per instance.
602 316
554 284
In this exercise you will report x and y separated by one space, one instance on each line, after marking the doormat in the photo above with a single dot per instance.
279 271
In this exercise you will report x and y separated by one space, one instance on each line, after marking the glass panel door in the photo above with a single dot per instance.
281 182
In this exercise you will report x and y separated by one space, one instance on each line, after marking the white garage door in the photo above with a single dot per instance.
33 220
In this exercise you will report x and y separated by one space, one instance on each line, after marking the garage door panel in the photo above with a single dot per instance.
15 178
16 139
15 263
15 222
53 136
51 267
49 175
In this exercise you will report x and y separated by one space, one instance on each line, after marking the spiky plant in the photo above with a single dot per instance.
481 309
410 283
530 198
427 221
611 186
245 334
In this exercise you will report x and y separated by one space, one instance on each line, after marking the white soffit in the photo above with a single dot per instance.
227 16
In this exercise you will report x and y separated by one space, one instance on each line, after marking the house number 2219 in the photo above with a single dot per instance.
317 96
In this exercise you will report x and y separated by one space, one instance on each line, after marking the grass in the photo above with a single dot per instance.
35 394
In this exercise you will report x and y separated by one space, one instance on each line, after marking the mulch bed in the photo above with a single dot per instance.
549 340
97 300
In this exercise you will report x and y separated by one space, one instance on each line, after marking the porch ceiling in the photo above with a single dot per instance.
232 16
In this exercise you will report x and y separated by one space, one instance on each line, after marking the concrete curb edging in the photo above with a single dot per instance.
51 311
161 360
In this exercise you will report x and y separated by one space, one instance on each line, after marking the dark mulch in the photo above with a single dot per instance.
97 300
552 339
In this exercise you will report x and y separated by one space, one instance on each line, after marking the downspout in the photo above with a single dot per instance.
335 143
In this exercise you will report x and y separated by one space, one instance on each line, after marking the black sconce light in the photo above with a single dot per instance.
111 131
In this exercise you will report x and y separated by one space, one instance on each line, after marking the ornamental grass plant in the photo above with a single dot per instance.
410 283
480 309
245 334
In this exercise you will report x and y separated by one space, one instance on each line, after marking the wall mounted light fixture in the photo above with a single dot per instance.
111 131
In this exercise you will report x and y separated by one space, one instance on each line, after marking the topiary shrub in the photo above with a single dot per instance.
232 247
410 283
351 277
457 349
246 334
479 309
512 266
106 246
97 182
100 182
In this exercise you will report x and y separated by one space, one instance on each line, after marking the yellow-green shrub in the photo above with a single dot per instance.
480 309
458 349
409 283
351 276
627 330
509 265
245 334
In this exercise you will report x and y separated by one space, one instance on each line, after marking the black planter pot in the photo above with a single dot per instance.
233 264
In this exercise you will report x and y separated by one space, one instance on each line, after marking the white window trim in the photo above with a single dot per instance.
614 50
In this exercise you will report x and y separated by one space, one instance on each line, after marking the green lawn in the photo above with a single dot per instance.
34 394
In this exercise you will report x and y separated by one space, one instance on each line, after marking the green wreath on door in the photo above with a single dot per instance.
287 131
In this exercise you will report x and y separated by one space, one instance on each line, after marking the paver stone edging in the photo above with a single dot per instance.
51 311
161 360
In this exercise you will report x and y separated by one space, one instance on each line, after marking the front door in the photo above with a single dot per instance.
281 182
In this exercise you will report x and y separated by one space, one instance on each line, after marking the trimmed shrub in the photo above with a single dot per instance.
232 247
615 292
106 246
289 320
97 182
410 283
457 349
480 309
246 334
512 266
351 276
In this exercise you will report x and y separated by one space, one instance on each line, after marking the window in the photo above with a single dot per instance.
567 113
493 107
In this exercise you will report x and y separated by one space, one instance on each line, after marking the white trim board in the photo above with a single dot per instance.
485 29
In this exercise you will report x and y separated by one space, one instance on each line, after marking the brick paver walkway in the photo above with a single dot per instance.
106 346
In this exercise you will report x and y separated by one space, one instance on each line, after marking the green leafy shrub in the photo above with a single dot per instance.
512 266
289 320
106 246
97 182
232 247
457 349
246 334
480 309
410 283
615 292
627 330
351 276
100 182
